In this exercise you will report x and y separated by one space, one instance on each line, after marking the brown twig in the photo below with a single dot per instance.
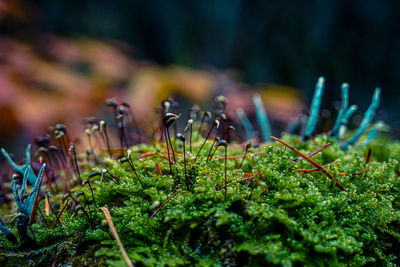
162 205
145 155
158 169
238 180
304 171
356 173
312 153
338 185
115 234
150 154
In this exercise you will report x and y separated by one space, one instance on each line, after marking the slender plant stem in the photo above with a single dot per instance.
205 140
226 188
169 156
170 144
190 137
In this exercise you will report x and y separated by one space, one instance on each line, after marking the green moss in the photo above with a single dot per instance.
279 217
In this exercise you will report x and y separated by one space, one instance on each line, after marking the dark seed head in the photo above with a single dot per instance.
61 127
53 148
65 196
222 116
120 117
248 146
123 160
94 174
16 175
221 99
180 137
169 116
125 104
78 207
42 141
111 103
170 121
122 110
222 143
58 133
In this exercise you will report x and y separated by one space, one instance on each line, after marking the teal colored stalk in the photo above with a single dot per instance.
246 123
345 104
292 126
262 118
374 132
21 168
4 230
303 124
315 106
368 116
345 119
25 203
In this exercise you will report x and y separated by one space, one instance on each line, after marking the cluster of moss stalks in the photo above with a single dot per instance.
271 214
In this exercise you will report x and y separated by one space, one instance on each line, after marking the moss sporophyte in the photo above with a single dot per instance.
206 196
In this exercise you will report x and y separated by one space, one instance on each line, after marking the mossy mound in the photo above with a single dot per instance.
272 214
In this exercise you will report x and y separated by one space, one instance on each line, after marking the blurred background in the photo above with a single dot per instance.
60 60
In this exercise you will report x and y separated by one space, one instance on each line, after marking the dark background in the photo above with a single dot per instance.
283 42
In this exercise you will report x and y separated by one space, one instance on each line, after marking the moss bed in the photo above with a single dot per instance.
272 214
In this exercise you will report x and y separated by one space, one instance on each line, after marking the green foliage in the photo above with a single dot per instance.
279 217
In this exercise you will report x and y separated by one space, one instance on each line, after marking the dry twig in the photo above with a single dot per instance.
162 205
115 234
338 185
